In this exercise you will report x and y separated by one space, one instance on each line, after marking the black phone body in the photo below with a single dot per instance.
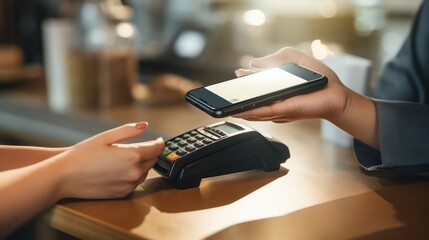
255 90
218 149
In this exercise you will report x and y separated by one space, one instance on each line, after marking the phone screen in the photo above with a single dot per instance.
254 85
255 90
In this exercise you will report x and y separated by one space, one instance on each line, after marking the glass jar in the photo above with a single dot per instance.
103 63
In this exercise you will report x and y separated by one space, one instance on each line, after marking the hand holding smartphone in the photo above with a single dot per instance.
255 90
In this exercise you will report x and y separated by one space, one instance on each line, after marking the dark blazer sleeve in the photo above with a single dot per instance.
406 77
403 135
401 100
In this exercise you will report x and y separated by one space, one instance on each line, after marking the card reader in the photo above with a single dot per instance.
218 149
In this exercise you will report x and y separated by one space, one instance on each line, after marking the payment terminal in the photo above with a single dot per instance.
218 149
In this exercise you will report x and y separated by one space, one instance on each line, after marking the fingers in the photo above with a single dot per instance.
149 152
122 133
288 110
146 150
265 112
278 119
141 157
152 149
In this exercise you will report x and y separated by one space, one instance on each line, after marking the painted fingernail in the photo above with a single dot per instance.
142 125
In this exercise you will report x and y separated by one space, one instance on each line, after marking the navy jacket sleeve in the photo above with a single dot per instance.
402 106
403 137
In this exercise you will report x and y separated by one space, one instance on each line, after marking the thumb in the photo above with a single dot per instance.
122 133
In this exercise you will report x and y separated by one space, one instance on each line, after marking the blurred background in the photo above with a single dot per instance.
208 39
92 55
72 68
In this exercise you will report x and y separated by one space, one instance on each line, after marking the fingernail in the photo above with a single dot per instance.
142 125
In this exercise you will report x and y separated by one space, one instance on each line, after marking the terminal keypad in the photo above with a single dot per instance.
189 142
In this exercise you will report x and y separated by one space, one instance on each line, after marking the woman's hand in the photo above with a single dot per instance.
98 167
101 168
326 103
336 103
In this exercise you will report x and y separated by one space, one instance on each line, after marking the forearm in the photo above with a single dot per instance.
20 156
359 119
26 192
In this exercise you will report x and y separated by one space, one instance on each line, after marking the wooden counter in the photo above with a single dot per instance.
319 193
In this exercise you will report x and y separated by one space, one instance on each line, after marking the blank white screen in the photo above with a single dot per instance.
253 85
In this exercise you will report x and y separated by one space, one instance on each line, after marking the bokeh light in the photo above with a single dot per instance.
125 30
254 17
319 50
328 8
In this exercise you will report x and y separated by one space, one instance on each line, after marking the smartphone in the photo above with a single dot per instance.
255 90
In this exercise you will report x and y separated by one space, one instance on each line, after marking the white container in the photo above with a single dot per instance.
58 37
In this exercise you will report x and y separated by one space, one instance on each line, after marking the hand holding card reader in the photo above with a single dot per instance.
218 149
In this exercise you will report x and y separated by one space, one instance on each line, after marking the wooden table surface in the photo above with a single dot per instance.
319 193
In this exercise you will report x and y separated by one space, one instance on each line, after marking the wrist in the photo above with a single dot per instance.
359 118
339 103
344 108
62 173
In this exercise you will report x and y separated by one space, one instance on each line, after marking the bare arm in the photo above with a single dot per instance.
336 103
27 191
20 156
95 168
